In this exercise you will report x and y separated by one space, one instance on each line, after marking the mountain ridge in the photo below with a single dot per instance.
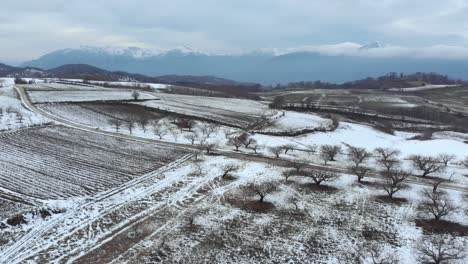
258 67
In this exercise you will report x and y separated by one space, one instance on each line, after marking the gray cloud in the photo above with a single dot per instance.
30 28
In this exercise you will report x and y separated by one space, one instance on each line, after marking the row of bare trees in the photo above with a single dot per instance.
388 158
11 110
437 249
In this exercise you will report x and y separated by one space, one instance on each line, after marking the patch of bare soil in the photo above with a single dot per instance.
251 205
394 200
320 188
442 227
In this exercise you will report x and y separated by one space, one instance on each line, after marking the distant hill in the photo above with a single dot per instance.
256 67
6 71
88 72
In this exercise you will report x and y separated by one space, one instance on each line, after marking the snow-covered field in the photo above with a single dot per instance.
238 112
85 96
387 100
425 87
138 201
59 162
292 121
189 214
12 113
366 137
155 86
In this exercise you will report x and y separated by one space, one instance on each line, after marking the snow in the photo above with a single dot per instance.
394 101
155 86
158 85
425 87
158 201
296 121
12 109
238 112
85 96
366 137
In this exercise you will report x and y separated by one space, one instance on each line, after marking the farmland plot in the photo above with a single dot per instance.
99 114
84 96
291 121
236 112
59 162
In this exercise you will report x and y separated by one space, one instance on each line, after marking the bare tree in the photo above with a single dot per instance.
19 117
175 133
160 131
261 189
287 174
143 122
287 147
229 168
236 142
437 204
437 182
297 164
198 170
208 147
325 158
387 154
185 123
358 155
294 200
426 164
311 149
446 158
255 147
439 250
208 129
197 155
130 124
330 151
135 95
388 158
360 171
389 164
465 162
246 140
377 255
192 137
320 176
116 124
276 150
394 181
278 102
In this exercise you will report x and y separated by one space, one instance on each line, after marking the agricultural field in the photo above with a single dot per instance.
84 96
56 162
99 114
291 121
455 98
189 179
235 112
194 215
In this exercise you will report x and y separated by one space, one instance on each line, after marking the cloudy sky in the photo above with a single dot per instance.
30 28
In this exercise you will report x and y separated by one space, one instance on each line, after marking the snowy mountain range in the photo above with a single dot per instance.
332 63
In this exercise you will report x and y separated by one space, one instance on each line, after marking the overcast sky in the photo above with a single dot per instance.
30 28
